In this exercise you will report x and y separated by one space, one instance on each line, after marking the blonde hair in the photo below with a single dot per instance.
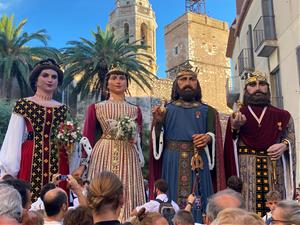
148 218
237 216
104 190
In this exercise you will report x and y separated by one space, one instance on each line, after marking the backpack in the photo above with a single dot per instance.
166 210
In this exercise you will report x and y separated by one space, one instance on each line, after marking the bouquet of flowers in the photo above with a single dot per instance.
124 128
68 134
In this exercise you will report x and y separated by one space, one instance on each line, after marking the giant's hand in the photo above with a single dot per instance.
237 120
158 114
201 140
275 151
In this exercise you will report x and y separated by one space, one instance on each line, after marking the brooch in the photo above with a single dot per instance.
197 114
279 124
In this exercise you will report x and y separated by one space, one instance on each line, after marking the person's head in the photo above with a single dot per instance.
105 193
235 183
46 74
81 215
257 91
233 216
186 86
160 187
286 212
149 218
24 188
183 217
45 189
55 202
32 218
11 202
272 198
116 81
7 177
227 198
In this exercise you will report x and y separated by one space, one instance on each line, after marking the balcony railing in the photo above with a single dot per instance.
245 61
263 32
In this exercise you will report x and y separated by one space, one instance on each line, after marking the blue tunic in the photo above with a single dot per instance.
179 125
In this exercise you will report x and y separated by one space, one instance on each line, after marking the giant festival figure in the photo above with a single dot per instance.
187 144
113 151
29 150
260 145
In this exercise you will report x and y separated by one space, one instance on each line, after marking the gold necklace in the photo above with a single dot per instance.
43 97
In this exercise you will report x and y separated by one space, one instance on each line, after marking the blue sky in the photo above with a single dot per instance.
67 20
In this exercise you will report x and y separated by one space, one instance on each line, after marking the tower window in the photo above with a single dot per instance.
126 32
144 34
176 51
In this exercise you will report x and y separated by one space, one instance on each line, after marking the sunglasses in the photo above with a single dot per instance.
47 62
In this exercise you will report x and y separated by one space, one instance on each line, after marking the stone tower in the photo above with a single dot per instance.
201 41
136 20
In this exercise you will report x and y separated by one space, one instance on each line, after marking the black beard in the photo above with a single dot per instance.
257 99
187 94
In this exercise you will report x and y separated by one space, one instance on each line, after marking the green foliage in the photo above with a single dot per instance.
16 58
87 62
5 112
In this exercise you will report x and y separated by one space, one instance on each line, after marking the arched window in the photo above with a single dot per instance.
113 30
126 32
144 34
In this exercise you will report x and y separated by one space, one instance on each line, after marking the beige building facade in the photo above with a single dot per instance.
266 36
201 41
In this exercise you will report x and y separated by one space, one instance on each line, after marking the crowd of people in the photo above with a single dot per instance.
193 177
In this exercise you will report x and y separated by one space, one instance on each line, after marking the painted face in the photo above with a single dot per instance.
187 82
117 84
257 86
47 80
257 93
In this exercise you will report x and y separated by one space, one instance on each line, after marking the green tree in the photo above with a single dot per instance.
16 57
89 61
5 112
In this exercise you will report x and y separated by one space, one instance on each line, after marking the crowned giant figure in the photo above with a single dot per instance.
260 145
187 147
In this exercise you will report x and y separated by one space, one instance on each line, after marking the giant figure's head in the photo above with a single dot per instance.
186 86
257 90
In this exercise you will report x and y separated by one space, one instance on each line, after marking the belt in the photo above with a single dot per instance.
180 145
243 150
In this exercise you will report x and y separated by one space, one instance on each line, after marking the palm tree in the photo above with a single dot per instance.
89 61
16 58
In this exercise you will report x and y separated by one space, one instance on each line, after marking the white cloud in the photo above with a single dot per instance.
3 6
8 4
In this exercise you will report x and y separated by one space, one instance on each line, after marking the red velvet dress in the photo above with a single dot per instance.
40 157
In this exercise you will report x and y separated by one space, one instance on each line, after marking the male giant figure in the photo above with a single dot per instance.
184 127
260 145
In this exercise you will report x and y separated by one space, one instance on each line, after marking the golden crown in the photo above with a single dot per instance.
117 70
255 76
186 69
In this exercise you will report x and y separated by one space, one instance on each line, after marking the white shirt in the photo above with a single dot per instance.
52 222
153 206
37 205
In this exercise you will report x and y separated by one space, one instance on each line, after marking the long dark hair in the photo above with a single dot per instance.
175 91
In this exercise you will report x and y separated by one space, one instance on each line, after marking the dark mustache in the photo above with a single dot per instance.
188 86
